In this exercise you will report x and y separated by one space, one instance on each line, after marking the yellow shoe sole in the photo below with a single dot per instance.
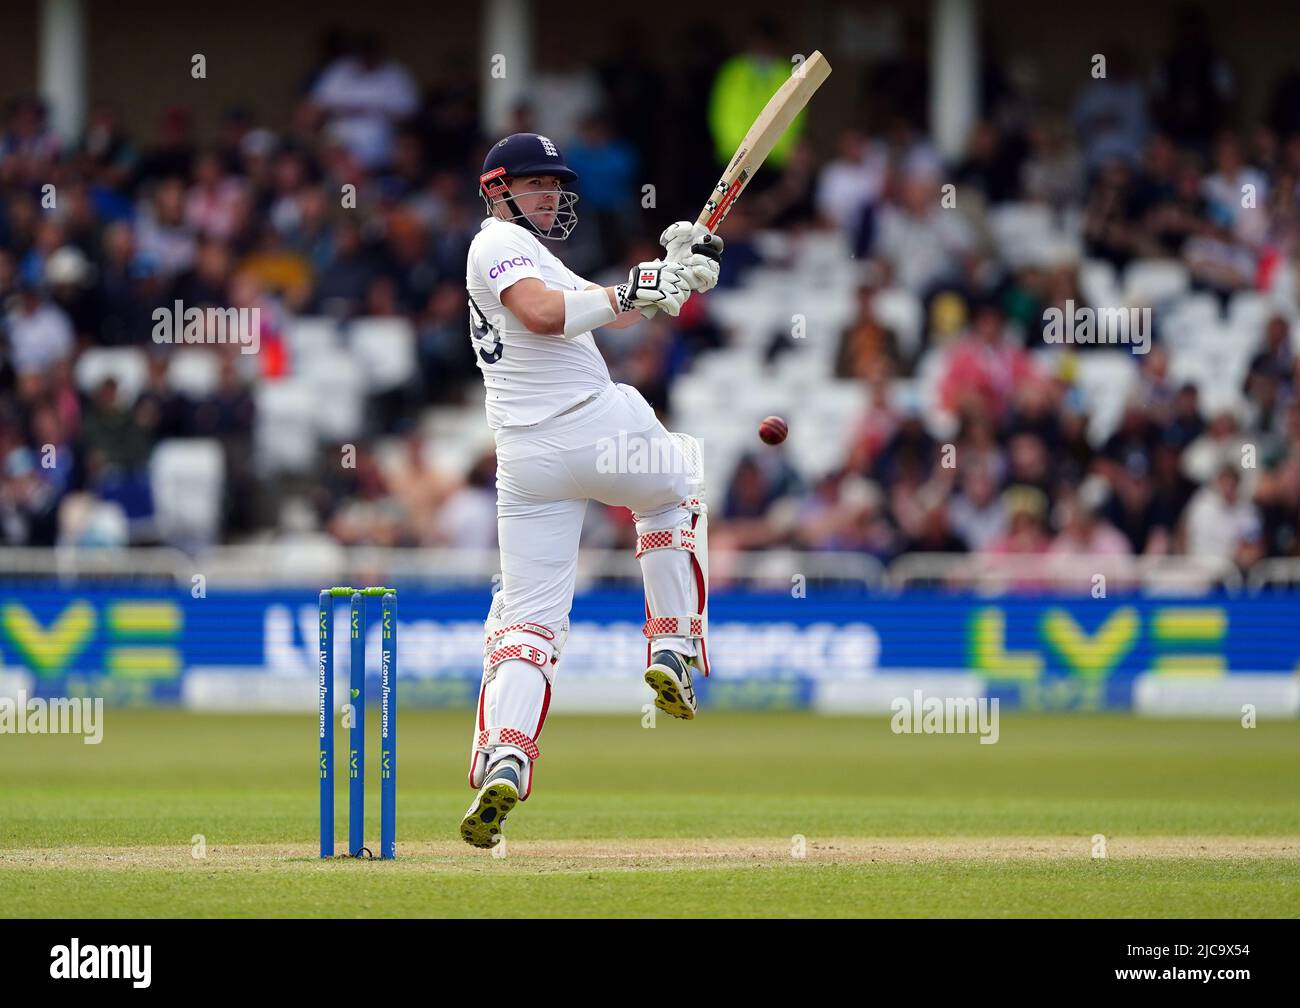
668 695
482 824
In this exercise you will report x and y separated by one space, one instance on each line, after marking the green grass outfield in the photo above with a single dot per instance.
1201 818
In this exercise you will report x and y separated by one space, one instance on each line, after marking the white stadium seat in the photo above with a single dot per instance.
128 366
187 476
900 311
1098 283
194 371
308 336
339 389
284 434
1152 282
384 348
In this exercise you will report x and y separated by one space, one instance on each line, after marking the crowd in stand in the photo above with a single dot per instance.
364 203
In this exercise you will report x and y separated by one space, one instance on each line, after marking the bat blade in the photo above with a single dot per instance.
766 130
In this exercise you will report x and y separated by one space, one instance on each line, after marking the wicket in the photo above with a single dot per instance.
357 729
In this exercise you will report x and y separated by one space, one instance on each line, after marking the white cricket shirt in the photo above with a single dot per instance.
528 378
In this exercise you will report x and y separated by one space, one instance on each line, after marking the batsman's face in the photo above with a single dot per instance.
538 197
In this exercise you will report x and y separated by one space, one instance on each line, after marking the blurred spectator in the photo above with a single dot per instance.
341 287
27 142
162 233
983 369
1223 524
991 167
868 350
420 489
851 185
1172 210
1110 112
212 204
1109 226
789 203
468 518
1053 170
1185 424
742 250
1225 188
920 239
563 96
607 167
1278 498
1026 508
70 279
365 95
1133 510
1276 357
27 501
741 89
1220 445
40 332
1083 531
173 155
845 512
1194 86
111 432
978 514
898 87
445 367
935 533
757 483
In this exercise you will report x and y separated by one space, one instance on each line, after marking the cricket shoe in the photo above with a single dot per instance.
669 675
482 824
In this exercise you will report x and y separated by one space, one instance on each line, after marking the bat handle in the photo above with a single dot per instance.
710 245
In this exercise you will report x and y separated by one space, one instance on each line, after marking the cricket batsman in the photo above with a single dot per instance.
553 409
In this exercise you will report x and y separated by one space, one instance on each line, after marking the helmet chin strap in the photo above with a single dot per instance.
518 214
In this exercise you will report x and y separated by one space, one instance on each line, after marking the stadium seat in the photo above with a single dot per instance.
187 476
900 311
194 371
1180 321
128 366
1152 282
1107 378
339 400
1024 232
308 336
284 434
1249 310
384 349
1098 284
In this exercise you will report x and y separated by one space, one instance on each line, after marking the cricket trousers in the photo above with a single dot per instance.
611 449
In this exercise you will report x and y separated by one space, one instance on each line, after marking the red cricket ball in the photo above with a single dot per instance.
773 430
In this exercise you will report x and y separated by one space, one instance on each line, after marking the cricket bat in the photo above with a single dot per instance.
766 130
757 144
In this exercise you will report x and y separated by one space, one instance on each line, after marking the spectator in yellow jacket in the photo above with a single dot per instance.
740 90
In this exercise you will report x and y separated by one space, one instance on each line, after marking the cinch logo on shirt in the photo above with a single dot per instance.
499 266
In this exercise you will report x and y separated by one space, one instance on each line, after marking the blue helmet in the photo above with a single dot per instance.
521 155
